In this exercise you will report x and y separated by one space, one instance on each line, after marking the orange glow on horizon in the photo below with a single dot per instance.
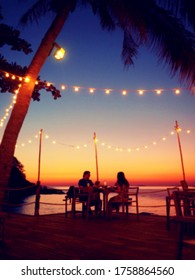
65 168
155 164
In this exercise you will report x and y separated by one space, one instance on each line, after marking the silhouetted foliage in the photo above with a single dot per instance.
166 27
10 36
18 186
17 177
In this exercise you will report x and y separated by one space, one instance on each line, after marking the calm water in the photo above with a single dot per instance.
151 200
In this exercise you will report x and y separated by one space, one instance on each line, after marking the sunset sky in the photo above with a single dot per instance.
130 128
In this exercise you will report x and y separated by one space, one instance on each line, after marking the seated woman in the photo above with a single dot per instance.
122 186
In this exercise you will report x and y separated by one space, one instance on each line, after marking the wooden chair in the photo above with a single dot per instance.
67 202
130 202
83 200
185 217
72 199
169 204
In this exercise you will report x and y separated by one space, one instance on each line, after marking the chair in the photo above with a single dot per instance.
169 204
185 217
67 202
131 200
74 198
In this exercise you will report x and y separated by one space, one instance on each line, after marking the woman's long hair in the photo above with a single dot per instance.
121 180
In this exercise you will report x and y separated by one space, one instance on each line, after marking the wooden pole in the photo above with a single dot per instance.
180 149
39 158
38 177
96 156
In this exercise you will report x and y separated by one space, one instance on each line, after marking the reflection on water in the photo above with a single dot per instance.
151 200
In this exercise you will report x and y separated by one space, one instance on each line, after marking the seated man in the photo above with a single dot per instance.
86 185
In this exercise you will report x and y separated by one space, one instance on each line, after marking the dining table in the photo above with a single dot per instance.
80 196
105 191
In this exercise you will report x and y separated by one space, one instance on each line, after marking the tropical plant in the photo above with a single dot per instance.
10 36
18 176
18 186
157 24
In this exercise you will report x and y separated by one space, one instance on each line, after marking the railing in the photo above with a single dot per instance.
10 206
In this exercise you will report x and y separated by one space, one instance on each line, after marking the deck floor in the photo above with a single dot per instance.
54 237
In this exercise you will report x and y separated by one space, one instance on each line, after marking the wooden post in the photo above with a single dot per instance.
180 149
96 156
38 177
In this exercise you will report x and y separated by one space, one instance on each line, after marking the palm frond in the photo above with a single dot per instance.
39 9
184 9
130 48
42 7
173 43
11 37
57 5
165 34
102 9
128 16
151 22
188 11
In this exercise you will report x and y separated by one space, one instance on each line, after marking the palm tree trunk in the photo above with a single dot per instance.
21 107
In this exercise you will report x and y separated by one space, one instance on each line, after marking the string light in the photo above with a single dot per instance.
103 144
141 92
177 91
27 79
8 109
91 90
76 89
177 128
107 91
158 91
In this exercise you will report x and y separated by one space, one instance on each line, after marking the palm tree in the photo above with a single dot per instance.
20 109
150 22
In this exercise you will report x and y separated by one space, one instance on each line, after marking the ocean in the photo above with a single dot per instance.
151 201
